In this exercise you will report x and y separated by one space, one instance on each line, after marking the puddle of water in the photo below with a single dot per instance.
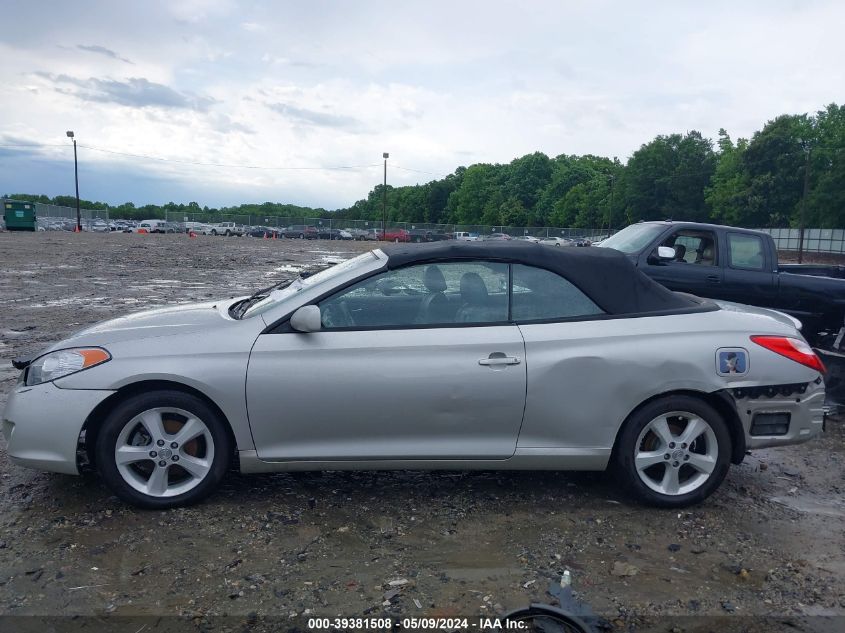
812 506
290 268
69 301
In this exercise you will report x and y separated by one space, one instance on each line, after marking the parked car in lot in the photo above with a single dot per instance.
95 226
397 235
375 234
528 238
465 236
228 229
200 228
485 341
427 235
264 231
498 237
359 234
301 231
556 241
152 226
325 233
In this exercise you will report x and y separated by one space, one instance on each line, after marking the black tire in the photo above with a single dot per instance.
214 232
302 236
228 233
134 405
626 447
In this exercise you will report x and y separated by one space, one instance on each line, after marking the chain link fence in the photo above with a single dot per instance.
421 230
52 217
815 240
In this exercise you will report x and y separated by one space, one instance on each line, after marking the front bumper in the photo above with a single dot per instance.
806 413
41 425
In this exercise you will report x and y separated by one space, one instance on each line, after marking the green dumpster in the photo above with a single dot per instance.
19 216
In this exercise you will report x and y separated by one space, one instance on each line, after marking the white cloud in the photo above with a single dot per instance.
437 84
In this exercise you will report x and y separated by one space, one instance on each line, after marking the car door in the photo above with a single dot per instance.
417 363
749 271
584 371
695 268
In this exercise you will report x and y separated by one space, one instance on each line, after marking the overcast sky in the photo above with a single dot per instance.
328 84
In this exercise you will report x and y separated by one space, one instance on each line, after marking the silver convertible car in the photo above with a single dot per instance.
450 355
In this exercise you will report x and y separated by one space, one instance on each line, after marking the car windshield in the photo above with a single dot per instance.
632 238
275 297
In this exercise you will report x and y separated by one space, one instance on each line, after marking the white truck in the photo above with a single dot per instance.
227 229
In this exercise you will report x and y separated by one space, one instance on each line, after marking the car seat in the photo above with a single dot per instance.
435 306
708 255
476 306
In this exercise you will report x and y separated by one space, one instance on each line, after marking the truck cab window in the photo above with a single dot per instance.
745 251
693 247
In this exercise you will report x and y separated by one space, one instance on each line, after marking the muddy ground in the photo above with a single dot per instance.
770 542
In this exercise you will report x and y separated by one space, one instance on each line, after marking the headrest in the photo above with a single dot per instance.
473 289
434 280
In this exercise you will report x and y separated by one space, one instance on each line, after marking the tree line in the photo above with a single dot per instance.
794 163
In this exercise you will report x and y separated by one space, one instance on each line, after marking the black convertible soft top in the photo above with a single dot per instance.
607 276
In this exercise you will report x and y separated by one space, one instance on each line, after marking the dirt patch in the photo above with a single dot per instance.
770 542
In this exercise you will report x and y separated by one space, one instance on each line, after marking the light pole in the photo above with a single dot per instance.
76 178
385 155
807 151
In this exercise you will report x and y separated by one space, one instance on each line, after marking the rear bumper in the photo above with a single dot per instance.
806 415
41 425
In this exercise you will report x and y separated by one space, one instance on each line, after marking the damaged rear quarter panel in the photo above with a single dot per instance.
585 378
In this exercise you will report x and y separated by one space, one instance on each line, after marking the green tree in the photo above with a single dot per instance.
666 178
727 195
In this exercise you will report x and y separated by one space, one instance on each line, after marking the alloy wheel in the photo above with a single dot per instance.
676 453
164 452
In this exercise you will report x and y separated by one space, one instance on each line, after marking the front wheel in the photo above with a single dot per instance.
674 452
214 233
228 233
163 449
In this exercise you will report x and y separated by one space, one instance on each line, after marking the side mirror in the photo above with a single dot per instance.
665 253
307 319
661 255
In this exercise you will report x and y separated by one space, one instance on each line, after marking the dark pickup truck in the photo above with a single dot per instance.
741 265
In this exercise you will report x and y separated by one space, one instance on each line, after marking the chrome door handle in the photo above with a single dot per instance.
495 360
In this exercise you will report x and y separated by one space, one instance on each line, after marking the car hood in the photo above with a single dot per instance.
166 321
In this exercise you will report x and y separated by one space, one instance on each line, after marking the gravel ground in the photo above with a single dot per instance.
770 542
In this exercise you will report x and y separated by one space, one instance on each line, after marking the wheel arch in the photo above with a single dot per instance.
720 401
91 427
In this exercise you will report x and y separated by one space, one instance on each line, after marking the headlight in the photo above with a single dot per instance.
63 363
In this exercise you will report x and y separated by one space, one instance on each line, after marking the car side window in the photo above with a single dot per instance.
541 294
746 251
449 293
693 247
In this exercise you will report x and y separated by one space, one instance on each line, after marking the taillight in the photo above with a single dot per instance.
793 348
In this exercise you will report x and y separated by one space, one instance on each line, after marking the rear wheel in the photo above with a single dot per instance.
163 449
674 452
214 232
228 233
